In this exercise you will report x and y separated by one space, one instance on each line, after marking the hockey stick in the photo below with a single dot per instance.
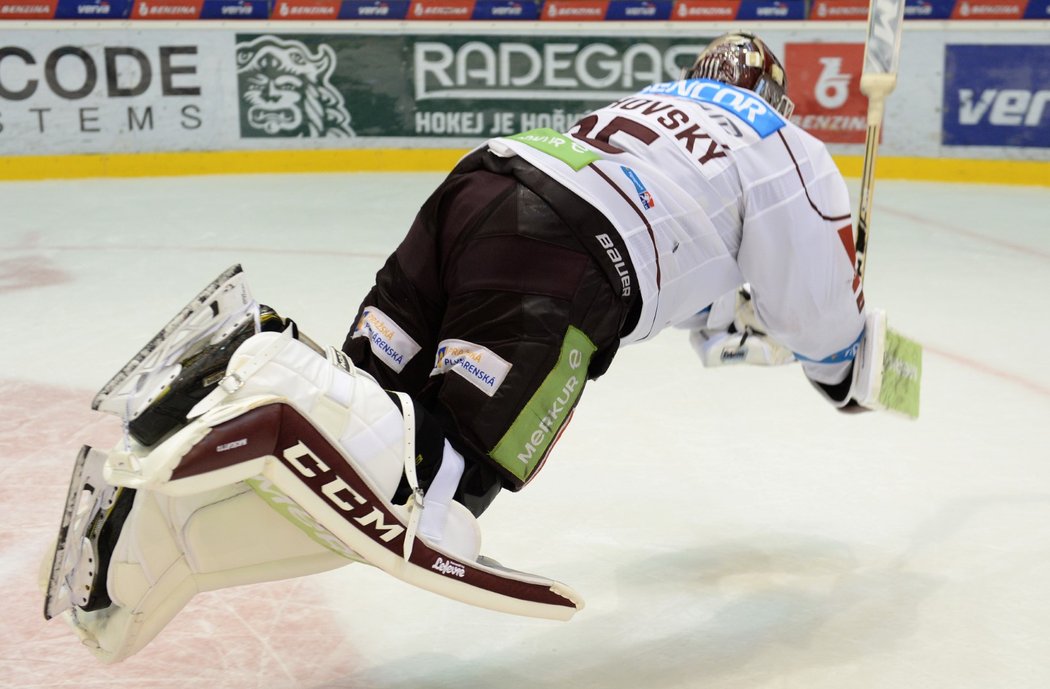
900 382
879 77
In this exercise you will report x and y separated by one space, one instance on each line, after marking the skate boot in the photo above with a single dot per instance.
199 373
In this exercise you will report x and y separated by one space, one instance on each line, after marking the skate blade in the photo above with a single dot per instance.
74 560
219 309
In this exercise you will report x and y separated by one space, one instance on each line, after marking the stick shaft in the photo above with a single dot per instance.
867 190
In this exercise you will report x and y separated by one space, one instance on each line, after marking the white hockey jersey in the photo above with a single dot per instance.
710 188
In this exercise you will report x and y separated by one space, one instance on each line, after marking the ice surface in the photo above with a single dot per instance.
727 528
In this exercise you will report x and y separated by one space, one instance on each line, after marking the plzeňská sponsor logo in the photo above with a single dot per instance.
387 339
73 92
286 90
480 366
498 69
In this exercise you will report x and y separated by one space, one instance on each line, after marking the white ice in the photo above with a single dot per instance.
727 528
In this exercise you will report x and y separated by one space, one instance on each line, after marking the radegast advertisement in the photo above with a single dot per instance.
997 95
468 86
75 92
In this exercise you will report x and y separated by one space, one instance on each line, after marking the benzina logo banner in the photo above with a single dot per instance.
990 9
839 10
825 85
27 9
575 10
997 95
306 9
441 10
706 10
167 9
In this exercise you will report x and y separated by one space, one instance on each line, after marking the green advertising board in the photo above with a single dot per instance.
461 86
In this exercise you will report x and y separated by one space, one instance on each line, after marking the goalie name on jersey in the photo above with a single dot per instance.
752 110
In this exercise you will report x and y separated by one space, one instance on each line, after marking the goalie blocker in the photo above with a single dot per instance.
886 372
295 463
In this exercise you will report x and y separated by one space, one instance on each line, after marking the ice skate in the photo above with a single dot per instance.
182 363
94 513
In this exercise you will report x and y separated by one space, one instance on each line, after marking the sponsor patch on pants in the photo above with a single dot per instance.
525 445
481 367
389 342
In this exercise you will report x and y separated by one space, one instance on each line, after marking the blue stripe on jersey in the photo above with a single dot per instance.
748 106
847 354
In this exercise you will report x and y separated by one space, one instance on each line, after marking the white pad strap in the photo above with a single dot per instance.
428 512
417 501
440 495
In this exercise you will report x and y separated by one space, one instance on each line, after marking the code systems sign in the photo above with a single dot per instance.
825 85
997 95
105 91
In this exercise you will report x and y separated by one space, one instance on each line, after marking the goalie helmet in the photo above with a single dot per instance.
744 60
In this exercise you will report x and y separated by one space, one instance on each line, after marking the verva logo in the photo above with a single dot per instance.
167 9
705 10
825 85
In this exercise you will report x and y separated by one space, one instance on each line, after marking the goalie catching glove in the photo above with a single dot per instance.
729 332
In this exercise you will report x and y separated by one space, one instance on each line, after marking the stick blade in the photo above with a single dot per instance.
901 374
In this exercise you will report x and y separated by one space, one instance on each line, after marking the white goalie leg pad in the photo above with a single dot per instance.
349 406
345 449
171 548
865 382
337 446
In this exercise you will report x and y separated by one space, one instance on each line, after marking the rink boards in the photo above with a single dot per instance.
160 98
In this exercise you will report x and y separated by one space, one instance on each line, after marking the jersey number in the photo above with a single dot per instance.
618 124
